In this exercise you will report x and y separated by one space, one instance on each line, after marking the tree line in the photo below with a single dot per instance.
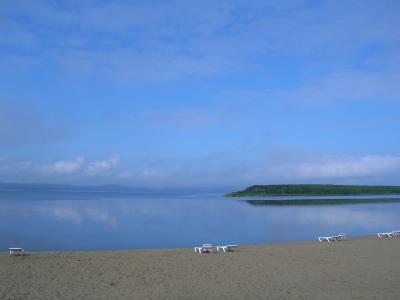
315 189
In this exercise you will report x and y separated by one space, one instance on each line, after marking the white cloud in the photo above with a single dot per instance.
292 167
101 166
68 167
340 167
180 39
344 85
79 166
349 85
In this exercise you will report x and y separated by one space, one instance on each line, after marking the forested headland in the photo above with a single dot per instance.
315 190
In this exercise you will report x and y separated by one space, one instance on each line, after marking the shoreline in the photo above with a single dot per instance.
361 268
372 236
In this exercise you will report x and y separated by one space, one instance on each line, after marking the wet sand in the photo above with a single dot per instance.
363 268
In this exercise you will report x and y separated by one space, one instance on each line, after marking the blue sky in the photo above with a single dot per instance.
207 94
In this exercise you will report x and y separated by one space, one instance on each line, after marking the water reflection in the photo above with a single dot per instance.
125 221
82 215
322 201
366 218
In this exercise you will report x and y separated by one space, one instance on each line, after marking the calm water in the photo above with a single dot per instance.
43 220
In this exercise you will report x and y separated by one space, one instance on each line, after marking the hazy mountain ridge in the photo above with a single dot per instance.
12 186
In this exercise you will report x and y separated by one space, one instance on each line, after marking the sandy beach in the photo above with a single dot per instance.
362 268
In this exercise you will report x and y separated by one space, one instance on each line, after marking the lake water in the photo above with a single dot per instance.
62 220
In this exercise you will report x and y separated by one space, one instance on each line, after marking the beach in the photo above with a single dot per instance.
361 268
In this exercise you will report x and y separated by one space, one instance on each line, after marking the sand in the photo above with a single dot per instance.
363 268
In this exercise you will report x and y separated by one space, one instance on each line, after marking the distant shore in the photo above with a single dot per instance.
315 190
361 268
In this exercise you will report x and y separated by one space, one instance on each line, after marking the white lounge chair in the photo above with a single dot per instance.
334 238
396 233
385 234
227 247
19 251
340 237
325 239
205 248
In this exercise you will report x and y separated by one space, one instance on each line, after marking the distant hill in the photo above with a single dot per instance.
315 190
72 188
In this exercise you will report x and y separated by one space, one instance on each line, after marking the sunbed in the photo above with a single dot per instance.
19 251
325 239
386 234
227 247
396 233
339 237
205 248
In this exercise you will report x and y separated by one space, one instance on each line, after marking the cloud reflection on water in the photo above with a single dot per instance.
349 217
171 221
81 215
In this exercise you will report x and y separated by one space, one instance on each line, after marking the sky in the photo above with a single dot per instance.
200 94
